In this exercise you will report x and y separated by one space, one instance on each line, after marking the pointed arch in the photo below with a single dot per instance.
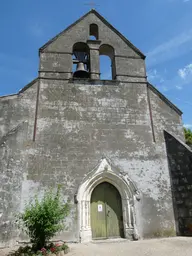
104 172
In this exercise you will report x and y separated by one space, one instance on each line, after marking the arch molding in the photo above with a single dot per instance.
104 172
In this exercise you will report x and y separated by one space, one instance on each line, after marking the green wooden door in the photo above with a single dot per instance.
98 213
106 212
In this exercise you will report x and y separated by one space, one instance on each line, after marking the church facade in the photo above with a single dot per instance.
102 140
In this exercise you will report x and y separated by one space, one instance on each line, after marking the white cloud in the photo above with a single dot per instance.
182 73
184 101
154 76
182 78
185 72
171 49
188 125
179 87
178 83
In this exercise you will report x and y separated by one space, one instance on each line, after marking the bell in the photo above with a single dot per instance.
81 72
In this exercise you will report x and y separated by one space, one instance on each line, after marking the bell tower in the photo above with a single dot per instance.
75 52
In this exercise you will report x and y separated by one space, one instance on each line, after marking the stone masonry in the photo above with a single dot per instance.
57 129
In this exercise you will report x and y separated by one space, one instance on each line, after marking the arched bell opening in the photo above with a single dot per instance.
93 32
106 212
81 61
107 62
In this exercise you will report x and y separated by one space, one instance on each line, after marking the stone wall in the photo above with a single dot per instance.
17 121
180 165
56 130
77 124
56 55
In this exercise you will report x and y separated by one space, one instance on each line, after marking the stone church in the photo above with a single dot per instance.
116 146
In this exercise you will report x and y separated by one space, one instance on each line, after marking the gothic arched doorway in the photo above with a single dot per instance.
104 173
106 212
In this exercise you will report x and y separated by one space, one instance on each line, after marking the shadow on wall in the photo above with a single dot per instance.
180 166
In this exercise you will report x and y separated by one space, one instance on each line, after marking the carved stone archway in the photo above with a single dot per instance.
104 172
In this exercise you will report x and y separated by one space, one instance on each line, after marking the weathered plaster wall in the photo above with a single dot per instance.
7 109
165 117
79 122
17 108
17 120
180 166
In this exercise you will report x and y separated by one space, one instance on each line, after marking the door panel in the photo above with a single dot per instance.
106 212
98 213
114 211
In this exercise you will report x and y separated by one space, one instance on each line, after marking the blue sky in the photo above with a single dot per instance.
161 29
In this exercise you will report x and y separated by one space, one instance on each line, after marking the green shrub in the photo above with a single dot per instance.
188 136
50 249
42 219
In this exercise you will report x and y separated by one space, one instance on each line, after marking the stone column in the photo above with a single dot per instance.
127 215
94 58
85 230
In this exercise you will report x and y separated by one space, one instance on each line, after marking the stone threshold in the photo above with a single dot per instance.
110 240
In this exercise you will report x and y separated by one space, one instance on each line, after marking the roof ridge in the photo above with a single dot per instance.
119 33
28 85
63 31
106 23
163 97
175 136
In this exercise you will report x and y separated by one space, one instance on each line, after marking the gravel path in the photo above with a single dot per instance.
178 246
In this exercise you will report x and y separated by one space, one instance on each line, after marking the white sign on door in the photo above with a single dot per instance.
100 207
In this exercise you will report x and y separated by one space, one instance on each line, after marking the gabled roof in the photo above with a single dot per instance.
172 135
21 90
161 96
106 23
28 85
